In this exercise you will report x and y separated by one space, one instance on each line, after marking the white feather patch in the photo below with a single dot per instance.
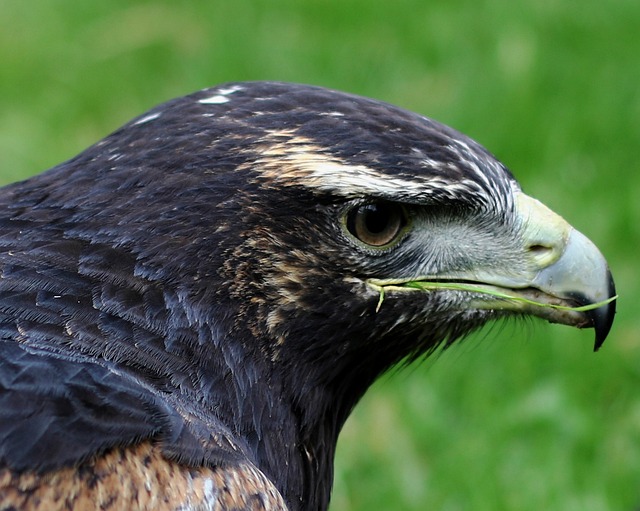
214 100
147 118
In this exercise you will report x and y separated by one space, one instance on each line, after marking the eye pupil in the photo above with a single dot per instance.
376 224
376 218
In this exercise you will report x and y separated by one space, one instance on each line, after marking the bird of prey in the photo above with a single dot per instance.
191 307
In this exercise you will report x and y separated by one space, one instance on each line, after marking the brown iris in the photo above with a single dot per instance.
376 224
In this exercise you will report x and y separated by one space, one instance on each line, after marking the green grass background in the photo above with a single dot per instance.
522 416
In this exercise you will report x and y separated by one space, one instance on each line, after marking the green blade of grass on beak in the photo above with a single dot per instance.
457 286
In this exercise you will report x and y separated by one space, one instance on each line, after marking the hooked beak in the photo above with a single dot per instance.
565 269
581 275
555 273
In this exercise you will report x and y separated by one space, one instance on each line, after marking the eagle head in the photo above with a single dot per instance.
264 251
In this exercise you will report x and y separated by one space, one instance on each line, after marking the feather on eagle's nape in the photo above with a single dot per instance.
191 308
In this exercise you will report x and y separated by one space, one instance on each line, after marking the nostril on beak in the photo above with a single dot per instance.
544 234
543 254
537 249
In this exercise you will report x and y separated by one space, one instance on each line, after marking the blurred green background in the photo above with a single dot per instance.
523 416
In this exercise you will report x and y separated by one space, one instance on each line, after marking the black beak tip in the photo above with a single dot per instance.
602 317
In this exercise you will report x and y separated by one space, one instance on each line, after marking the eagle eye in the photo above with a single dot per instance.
376 224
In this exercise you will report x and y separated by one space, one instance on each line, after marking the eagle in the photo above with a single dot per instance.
191 308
